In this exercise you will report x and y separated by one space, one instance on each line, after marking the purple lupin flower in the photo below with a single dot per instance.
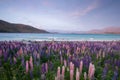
31 74
105 70
5 56
23 62
115 76
43 68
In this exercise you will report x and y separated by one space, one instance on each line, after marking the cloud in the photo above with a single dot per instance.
47 3
91 7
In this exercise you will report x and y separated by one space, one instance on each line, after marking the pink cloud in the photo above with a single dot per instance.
79 13
47 3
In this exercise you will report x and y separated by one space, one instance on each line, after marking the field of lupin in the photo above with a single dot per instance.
60 60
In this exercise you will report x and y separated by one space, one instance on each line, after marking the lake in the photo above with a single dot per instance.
58 37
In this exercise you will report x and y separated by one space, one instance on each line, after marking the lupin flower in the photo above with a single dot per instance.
31 74
20 52
31 63
46 66
71 74
115 76
90 67
91 71
65 63
68 52
71 66
5 54
50 64
103 50
83 48
77 74
105 70
63 70
27 66
81 66
43 70
58 73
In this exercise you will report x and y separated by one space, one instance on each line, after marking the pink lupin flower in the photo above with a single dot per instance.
77 74
71 74
20 51
83 48
65 63
46 66
27 66
63 70
71 66
91 71
71 70
31 63
81 66
77 50
58 73
85 75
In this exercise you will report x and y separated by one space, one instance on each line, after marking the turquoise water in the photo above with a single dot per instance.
58 37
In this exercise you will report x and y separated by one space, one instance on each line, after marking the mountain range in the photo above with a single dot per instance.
6 27
107 30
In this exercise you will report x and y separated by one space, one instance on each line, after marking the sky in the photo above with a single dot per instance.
63 15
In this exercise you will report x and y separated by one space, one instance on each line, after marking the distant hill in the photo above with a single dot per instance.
18 28
108 30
